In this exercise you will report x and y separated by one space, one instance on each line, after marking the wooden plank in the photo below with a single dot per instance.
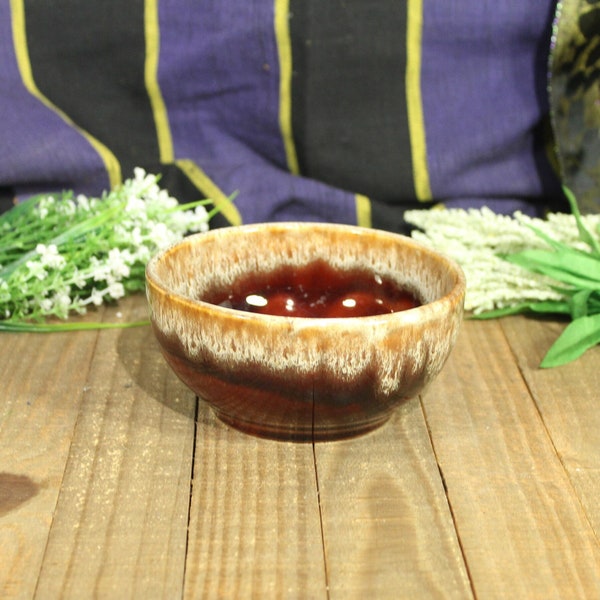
42 377
568 399
254 526
121 520
387 526
521 526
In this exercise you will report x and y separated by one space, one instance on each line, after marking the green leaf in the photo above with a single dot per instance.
23 327
550 241
75 232
594 303
18 209
545 307
579 303
579 335
568 266
584 232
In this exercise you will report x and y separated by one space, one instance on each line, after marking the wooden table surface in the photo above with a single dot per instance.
116 483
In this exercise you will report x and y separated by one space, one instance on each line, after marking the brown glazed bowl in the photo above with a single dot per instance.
298 378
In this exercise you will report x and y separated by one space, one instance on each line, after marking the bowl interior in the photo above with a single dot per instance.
203 263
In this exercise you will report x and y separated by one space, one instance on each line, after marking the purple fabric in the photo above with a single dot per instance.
38 150
483 69
219 75
483 93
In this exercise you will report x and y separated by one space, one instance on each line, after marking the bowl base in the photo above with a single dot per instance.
286 433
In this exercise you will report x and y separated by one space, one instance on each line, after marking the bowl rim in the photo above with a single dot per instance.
411 315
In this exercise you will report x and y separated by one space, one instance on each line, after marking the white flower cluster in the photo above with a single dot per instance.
93 249
477 239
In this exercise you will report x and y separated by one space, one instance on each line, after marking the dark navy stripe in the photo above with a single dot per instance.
349 109
7 196
90 64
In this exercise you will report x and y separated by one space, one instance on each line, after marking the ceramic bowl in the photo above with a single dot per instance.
302 378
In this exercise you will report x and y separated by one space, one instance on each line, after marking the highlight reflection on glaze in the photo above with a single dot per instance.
315 291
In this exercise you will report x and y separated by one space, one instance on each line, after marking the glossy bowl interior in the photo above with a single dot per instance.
296 378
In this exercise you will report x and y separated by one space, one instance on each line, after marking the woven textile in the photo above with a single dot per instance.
331 111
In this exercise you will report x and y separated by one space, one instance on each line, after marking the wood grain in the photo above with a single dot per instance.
120 526
254 526
387 526
568 399
43 379
115 482
519 520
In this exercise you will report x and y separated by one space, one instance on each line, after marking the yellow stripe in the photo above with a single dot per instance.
363 211
284 48
111 163
199 178
413 99
161 119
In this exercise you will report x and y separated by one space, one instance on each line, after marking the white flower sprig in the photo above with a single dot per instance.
478 239
557 271
61 253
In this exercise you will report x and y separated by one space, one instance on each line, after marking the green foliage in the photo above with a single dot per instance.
579 271
61 253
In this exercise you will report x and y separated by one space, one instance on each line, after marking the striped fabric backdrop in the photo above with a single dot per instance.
332 111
